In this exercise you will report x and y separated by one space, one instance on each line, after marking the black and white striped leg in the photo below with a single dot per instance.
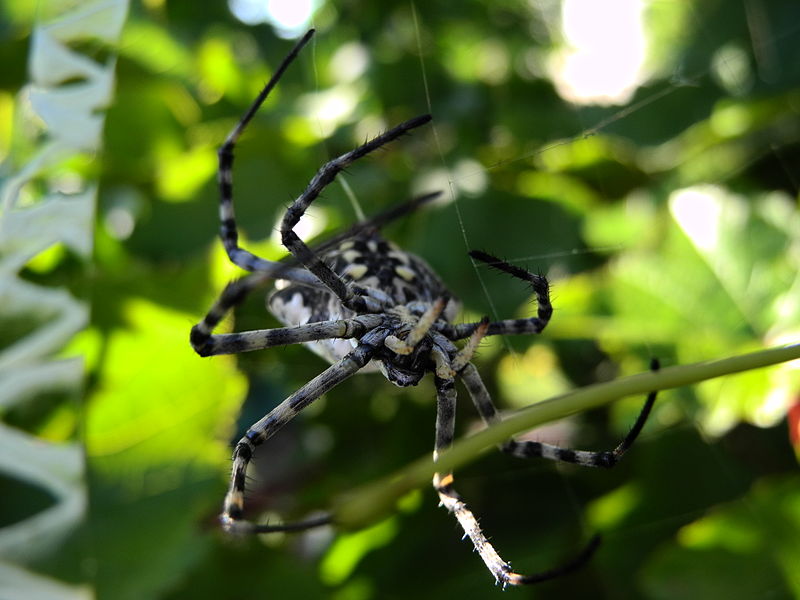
530 449
443 484
375 222
228 231
324 176
541 289
233 509
258 339
207 344
233 295
500 569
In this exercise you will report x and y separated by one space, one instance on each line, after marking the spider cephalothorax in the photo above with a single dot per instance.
362 303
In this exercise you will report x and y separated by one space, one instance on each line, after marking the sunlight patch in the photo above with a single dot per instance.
697 210
328 109
731 68
605 51
349 63
468 177
289 17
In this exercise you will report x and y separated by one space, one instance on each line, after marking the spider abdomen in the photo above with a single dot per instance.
372 262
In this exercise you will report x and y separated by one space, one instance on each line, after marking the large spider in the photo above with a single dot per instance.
364 304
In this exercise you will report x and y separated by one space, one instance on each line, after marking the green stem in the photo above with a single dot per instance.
374 501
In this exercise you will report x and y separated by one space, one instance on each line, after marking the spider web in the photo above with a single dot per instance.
767 33
148 424
764 38
621 264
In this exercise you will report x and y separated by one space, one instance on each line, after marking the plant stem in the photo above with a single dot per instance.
374 501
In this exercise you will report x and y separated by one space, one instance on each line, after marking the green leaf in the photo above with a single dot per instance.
744 550
156 437
724 279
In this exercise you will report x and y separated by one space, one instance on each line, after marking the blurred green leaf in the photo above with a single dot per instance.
585 193
744 550
156 440
726 271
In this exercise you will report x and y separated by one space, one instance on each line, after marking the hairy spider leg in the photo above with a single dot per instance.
232 517
482 400
316 271
531 449
324 176
206 344
443 483
228 230
374 223
450 499
531 325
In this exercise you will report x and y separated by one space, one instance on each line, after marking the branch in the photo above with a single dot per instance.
371 502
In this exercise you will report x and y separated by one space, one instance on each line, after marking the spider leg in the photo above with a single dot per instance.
443 484
261 431
205 343
228 231
536 324
530 449
233 294
258 339
324 176
418 331
450 499
375 222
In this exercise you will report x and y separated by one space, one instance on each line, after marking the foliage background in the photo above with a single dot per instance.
708 504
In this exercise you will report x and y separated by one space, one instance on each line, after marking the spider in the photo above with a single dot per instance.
364 304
